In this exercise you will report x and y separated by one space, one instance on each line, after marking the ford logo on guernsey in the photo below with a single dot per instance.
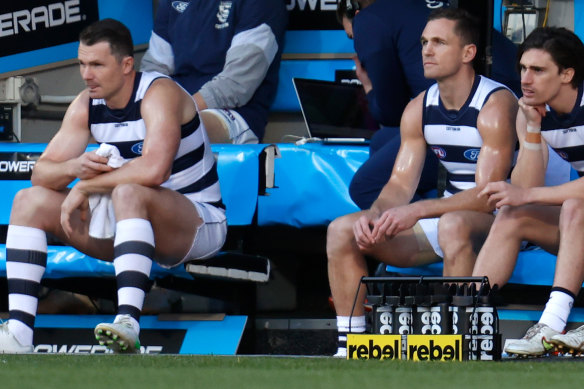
439 151
137 148
472 154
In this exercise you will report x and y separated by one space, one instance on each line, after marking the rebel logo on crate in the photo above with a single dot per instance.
373 346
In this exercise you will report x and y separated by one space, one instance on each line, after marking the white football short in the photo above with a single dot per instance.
239 131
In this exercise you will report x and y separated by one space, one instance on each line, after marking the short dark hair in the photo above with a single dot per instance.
112 31
565 48
466 27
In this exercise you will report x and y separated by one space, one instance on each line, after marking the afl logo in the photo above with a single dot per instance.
472 154
563 154
439 151
137 148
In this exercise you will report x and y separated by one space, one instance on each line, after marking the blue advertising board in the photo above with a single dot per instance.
42 32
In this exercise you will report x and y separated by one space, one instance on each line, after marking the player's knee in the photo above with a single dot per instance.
572 214
453 237
510 220
453 227
30 200
127 194
339 236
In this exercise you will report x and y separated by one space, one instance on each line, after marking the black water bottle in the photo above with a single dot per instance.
440 316
402 321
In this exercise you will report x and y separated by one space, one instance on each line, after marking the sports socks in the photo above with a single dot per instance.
26 260
133 252
557 309
347 325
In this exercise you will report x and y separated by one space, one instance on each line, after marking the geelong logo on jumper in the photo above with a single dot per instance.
180 6
223 14
432 4
42 17
434 348
373 346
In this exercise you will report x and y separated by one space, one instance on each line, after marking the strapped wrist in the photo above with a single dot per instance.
533 137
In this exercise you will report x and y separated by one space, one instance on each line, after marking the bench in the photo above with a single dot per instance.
297 187
239 171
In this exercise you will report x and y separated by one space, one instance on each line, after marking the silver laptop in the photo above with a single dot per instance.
335 112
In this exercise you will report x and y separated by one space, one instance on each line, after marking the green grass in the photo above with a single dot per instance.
177 372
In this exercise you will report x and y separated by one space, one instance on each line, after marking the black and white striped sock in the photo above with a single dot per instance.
26 260
133 251
347 325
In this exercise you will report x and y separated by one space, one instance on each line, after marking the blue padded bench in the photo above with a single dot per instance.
310 189
239 173
534 267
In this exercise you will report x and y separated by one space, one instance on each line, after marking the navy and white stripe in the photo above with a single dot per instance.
133 252
565 133
194 171
26 260
453 135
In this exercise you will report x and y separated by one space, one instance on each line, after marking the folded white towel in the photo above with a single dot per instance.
103 220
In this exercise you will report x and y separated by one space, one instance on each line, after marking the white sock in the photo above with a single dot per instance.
557 310
345 325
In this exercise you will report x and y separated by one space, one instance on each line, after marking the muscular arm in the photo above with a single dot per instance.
529 176
164 108
531 164
496 126
409 162
384 215
64 159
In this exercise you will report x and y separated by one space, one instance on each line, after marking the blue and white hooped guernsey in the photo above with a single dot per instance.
565 133
453 135
194 170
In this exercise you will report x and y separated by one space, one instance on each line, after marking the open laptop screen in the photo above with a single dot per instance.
334 110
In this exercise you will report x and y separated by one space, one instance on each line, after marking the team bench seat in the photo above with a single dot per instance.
242 174
262 185
534 267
